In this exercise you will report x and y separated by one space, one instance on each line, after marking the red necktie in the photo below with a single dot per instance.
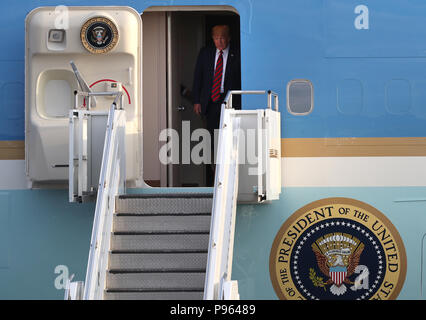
217 80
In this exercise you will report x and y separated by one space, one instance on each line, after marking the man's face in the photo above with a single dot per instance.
220 38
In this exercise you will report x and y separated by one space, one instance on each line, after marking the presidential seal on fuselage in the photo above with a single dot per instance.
99 35
337 248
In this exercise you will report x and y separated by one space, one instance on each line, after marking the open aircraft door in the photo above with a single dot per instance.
105 45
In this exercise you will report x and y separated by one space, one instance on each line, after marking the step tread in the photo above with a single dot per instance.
157 261
166 232
157 270
171 281
154 295
168 241
155 214
192 271
160 223
158 251
156 290
133 205
182 195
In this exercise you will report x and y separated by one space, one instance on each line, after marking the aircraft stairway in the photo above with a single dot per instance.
142 246
159 246
165 244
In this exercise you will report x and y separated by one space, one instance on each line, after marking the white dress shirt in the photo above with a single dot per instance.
225 58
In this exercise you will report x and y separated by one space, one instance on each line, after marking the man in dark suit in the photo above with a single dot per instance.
217 71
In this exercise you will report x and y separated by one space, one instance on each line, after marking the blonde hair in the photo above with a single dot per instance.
216 29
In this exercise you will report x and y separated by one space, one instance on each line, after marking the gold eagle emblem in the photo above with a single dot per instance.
99 35
337 256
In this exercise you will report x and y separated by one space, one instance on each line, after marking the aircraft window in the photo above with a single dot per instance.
300 98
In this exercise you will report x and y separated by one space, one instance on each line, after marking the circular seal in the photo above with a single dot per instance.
337 248
99 35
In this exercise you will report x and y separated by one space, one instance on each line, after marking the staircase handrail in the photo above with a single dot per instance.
221 242
111 183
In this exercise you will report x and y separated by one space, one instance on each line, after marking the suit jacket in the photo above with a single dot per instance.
204 72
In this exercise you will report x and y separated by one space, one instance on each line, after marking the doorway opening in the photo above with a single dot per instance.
172 39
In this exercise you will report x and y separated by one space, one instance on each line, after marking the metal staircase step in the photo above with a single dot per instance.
165 203
156 280
159 246
159 242
135 224
181 195
154 295
188 261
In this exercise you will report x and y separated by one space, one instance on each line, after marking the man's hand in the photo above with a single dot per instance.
197 108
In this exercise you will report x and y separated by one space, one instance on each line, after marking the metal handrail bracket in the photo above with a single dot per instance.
228 97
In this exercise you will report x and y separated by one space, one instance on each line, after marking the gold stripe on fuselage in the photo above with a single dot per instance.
303 147
12 150
353 147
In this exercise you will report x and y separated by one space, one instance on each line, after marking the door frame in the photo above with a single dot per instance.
166 173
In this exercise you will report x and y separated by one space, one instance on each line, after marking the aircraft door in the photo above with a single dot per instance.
186 37
105 45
